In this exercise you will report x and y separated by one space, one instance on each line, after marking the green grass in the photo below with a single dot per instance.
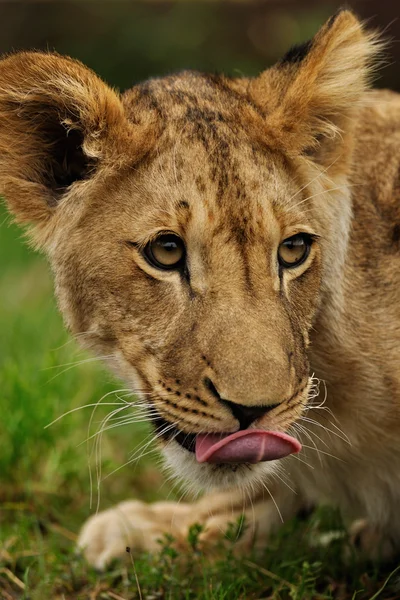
45 486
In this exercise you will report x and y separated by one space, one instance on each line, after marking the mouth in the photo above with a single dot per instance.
166 431
248 446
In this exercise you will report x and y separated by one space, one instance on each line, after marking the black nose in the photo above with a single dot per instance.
246 415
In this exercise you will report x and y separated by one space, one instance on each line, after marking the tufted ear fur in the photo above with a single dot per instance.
312 94
58 124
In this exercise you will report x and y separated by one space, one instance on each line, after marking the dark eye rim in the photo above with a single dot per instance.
151 259
308 241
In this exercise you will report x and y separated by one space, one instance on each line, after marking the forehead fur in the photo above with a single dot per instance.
209 150
195 98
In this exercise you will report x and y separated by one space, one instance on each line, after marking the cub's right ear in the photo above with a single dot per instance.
59 124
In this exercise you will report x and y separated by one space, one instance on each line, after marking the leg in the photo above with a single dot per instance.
138 525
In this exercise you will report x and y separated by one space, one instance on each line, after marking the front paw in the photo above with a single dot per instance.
132 524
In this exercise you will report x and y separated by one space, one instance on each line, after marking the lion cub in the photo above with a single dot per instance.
229 242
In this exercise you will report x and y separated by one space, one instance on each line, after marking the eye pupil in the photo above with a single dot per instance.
166 251
169 246
293 251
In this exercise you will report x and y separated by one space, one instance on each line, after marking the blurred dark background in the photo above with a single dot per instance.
127 41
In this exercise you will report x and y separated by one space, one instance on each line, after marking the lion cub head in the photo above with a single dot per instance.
194 226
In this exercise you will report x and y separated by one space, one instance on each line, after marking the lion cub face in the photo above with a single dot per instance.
191 226
199 273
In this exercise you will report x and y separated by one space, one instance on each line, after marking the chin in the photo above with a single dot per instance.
197 477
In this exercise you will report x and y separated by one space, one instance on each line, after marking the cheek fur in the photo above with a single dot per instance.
304 292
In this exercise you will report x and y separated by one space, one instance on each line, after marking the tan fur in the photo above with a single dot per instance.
233 166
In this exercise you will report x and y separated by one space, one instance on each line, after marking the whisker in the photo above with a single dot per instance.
323 452
343 437
143 412
103 428
276 474
301 429
82 362
97 447
75 363
311 432
89 452
273 499
155 437
141 448
327 191
297 457
314 179
73 410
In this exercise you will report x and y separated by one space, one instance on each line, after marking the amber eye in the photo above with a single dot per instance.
294 251
166 251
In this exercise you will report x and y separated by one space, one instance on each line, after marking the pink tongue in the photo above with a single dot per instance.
248 446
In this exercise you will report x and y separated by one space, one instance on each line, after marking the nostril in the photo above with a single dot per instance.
211 387
246 415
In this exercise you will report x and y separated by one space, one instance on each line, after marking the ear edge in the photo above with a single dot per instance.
63 83
53 108
314 90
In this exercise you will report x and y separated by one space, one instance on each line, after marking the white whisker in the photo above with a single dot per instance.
323 452
73 410
314 179
76 364
273 499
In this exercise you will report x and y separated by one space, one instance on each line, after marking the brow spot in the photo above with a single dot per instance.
201 186
205 359
396 234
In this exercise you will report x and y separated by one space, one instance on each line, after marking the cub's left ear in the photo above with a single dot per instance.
312 94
